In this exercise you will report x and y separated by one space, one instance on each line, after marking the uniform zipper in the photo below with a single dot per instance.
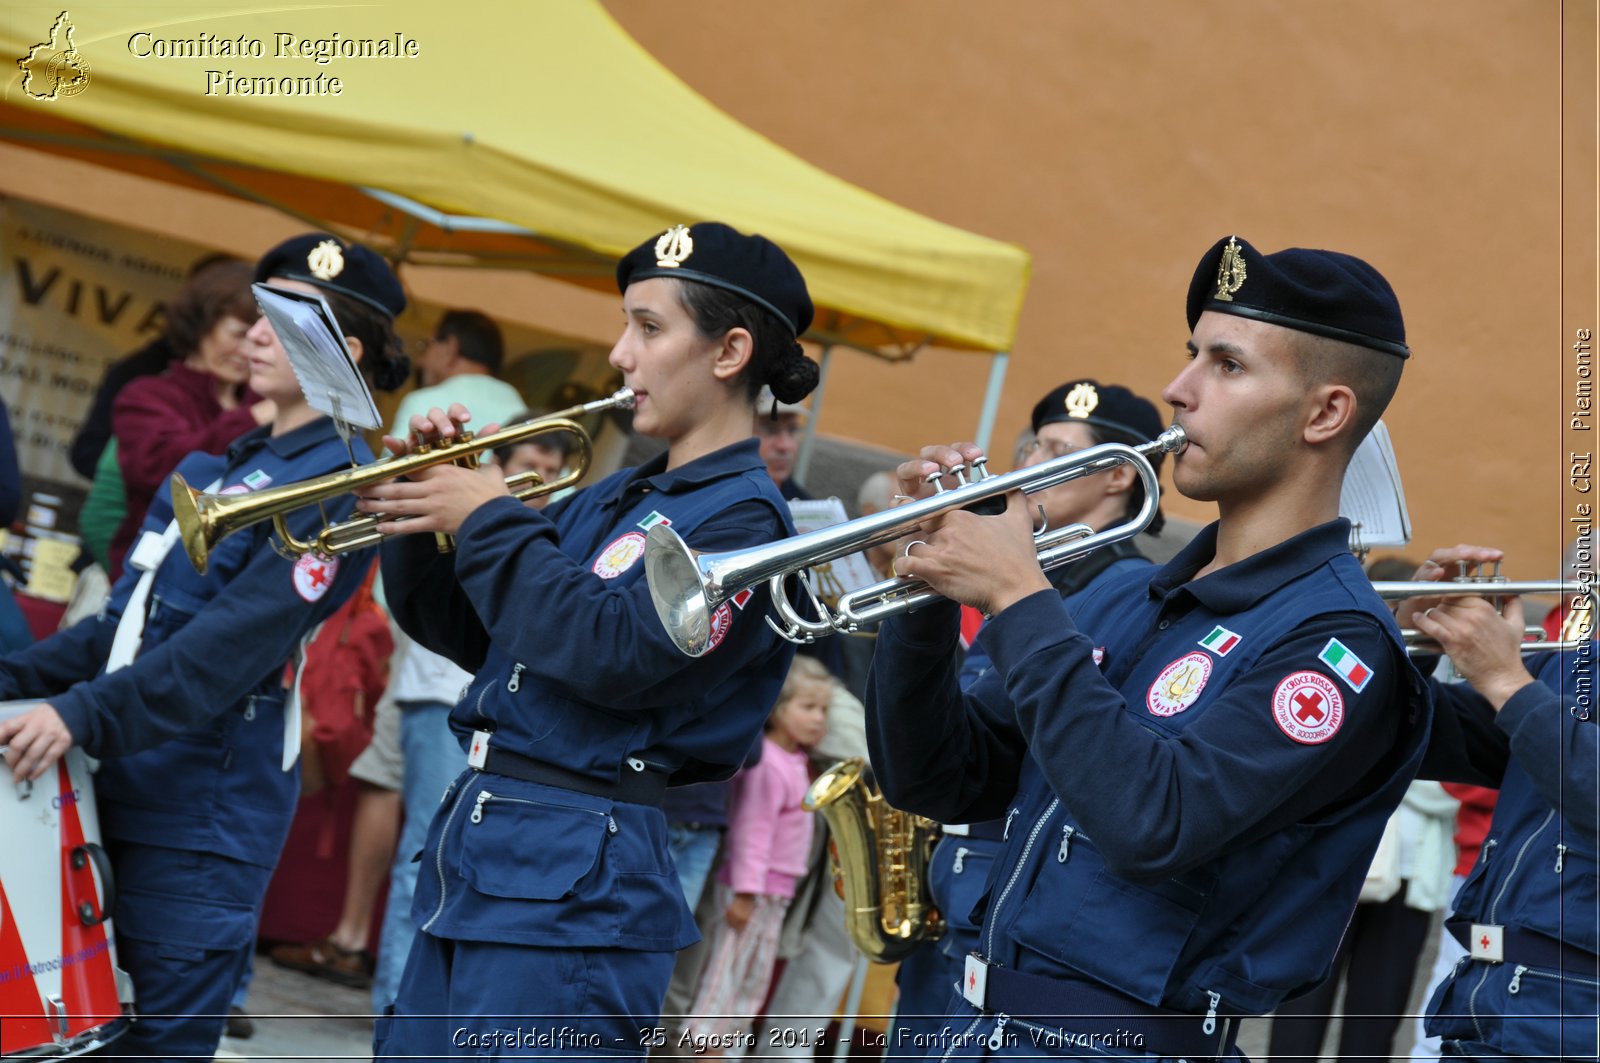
1561 855
965 1038
961 854
1016 872
1209 1027
1067 831
1005 835
1472 1001
997 1040
514 684
484 797
1516 863
438 863
1516 979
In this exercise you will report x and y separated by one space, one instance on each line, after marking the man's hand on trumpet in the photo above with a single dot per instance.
988 562
1484 643
440 497
1443 565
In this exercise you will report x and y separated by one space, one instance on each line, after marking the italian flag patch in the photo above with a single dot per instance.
652 520
1352 669
1221 641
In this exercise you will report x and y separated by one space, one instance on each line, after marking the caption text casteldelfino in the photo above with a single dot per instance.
318 50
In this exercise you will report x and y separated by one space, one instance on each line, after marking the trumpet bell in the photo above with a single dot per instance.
681 591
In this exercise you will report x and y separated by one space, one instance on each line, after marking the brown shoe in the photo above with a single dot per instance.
351 967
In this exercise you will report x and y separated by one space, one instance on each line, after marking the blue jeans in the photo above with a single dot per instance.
433 758
693 849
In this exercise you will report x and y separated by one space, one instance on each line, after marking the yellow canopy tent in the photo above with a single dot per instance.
531 135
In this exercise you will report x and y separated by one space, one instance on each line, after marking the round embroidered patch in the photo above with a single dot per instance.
1179 684
1308 707
721 621
617 558
313 575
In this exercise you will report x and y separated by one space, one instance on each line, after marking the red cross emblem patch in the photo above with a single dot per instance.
313 575
1308 707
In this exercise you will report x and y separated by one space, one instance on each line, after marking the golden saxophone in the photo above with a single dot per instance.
880 863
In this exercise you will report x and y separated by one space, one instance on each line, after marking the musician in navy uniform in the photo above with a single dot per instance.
1073 417
548 908
188 715
1529 986
1193 768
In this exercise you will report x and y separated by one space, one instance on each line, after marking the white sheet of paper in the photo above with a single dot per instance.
327 372
848 573
1372 497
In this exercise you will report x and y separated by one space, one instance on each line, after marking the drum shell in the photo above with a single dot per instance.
61 992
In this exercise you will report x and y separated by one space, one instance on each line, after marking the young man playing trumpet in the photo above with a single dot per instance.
1193 769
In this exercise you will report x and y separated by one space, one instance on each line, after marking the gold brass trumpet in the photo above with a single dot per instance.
204 519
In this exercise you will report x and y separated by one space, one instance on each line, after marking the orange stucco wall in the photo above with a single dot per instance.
1116 141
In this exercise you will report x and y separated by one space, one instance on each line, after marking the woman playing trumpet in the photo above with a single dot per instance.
548 889
188 715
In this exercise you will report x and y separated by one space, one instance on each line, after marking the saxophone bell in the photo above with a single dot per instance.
880 863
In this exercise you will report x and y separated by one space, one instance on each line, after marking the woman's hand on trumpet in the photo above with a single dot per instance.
987 562
438 498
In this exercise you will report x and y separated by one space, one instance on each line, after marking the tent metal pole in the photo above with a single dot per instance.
802 463
991 398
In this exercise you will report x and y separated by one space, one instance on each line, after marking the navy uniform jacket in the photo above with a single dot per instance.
191 733
1190 820
552 613
1538 868
959 870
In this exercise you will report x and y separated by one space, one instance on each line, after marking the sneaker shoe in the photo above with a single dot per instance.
351 967
240 1026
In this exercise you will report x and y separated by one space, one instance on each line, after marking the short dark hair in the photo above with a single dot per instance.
1372 374
476 335
216 291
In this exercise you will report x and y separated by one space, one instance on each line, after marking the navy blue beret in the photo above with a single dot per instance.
721 256
1109 406
331 263
1324 293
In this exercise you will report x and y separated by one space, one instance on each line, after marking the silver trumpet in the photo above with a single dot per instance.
1580 595
688 586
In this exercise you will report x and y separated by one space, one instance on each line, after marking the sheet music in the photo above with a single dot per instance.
1372 497
844 574
322 362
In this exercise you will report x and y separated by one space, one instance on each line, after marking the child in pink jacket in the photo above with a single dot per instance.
765 852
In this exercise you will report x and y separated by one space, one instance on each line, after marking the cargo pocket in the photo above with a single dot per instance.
521 848
1093 934
1547 1015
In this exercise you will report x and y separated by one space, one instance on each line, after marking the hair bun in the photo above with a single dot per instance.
795 377
390 371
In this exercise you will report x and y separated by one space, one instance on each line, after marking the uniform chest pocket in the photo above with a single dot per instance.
526 849
1081 915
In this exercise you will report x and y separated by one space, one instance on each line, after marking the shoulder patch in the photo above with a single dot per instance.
1346 665
1179 684
1308 707
721 621
620 556
313 575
